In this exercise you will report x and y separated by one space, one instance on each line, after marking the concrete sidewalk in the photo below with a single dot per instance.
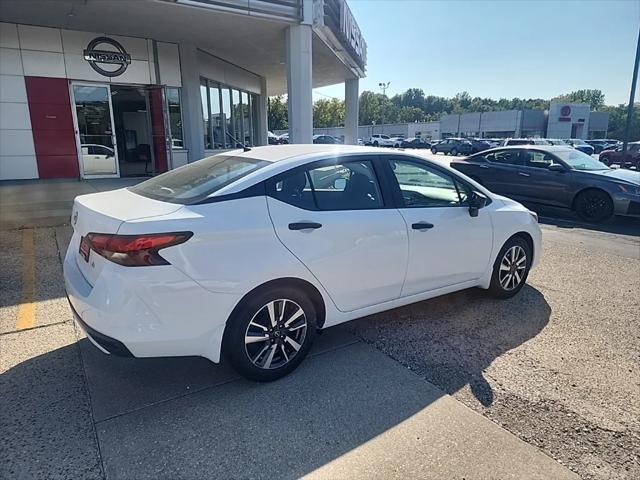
46 203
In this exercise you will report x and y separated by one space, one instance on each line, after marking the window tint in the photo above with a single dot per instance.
508 157
422 186
538 159
348 186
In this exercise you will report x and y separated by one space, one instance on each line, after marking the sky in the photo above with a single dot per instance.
498 49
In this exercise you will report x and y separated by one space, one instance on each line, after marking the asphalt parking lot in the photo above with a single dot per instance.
463 386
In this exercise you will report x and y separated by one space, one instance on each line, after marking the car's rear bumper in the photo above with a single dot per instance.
148 311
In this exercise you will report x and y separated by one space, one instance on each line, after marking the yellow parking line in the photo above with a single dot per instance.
27 309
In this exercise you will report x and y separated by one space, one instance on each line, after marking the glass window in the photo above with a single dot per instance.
508 157
237 118
254 118
226 118
217 125
538 159
422 186
349 186
205 113
246 119
194 182
175 117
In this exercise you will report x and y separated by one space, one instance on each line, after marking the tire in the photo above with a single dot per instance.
605 160
375 144
277 350
594 206
433 150
454 152
515 255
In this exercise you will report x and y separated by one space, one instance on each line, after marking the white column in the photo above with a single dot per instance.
193 128
263 123
351 111
299 77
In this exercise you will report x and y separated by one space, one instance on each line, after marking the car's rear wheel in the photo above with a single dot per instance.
511 268
270 333
605 159
375 144
433 150
454 152
594 206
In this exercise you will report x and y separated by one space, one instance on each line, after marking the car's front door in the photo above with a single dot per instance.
447 246
333 218
539 184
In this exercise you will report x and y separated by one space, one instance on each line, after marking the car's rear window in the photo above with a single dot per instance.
196 181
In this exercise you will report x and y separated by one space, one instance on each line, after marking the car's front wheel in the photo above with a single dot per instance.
454 152
433 150
594 206
511 268
270 333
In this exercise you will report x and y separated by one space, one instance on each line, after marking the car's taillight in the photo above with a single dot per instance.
135 250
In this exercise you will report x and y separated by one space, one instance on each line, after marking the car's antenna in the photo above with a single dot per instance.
244 147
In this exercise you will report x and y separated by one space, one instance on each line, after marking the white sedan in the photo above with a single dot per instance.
247 254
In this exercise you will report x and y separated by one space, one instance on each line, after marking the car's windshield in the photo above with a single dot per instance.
580 161
194 182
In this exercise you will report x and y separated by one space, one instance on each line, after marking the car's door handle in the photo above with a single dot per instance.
485 166
523 174
422 226
304 226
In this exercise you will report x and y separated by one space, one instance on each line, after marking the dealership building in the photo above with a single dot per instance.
94 89
562 120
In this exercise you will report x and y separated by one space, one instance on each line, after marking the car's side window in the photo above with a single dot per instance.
346 186
423 186
506 157
538 159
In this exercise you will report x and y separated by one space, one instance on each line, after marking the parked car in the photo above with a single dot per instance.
284 139
509 142
493 142
413 142
246 254
98 159
581 145
453 146
556 176
397 141
272 138
479 145
325 139
613 156
597 145
557 141
380 140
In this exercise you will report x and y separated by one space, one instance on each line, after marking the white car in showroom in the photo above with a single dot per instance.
246 254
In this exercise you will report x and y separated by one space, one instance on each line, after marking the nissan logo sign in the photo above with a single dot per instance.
109 63
565 111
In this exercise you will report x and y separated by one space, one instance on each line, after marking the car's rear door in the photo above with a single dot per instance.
447 246
501 172
333 217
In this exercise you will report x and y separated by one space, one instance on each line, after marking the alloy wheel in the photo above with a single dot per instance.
594 207
275 334
512 267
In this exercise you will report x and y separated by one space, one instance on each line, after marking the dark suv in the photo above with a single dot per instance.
453 146
614 156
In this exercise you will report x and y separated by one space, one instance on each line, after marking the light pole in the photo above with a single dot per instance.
383 86
632 95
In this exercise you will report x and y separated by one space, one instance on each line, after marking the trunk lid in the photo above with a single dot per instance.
105 212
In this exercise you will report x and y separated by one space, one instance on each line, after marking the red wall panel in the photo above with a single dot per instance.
52 125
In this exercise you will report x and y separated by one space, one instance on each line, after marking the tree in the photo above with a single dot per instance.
328 113
617 122
593 97
277 113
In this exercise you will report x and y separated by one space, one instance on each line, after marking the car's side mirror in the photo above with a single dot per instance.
476 202
556 167
340 183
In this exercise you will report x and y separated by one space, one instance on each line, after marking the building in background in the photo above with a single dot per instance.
96 89
562 120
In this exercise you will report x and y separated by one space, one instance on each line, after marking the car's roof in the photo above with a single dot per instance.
277 153
546 148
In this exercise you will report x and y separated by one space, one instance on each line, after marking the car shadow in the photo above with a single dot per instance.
184 417
567 219
451 340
